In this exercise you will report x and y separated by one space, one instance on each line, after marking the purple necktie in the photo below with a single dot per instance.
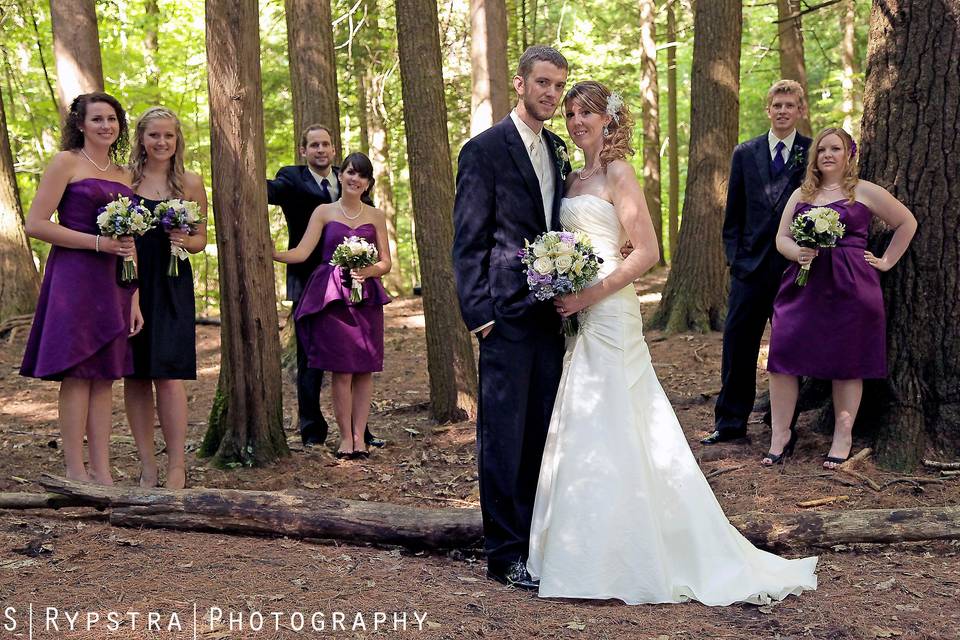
778 163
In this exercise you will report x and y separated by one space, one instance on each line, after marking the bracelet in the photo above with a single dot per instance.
98 244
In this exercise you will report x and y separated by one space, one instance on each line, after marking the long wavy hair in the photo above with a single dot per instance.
593 97
848 180
138 154
72 135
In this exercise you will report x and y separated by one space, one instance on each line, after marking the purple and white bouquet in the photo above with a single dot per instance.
815 228
177 215
559 263
124 217
354 253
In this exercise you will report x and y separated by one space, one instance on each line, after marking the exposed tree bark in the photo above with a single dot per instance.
251 431
694 297
673 146
19 281
24 500
910 147
848 57
300 514
792 64
313 67
650 107
453 375
490 101
150 43
28 11
76 48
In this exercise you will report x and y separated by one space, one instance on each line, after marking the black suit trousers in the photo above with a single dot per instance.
518 385
310 421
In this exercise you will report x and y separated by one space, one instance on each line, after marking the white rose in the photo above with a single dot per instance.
563 263
103 219
821 225
540 250
543 266
564 249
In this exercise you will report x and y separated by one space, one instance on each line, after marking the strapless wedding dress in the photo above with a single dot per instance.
622 509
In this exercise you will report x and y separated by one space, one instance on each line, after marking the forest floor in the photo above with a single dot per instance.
72 561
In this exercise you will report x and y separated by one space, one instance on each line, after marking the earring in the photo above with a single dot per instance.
606 131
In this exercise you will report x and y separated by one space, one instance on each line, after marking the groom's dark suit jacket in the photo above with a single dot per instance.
755 202
498 206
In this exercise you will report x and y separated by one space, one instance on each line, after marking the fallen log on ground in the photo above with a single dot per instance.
24 500
303 515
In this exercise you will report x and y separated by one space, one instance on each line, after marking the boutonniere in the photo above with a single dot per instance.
563 160
798 158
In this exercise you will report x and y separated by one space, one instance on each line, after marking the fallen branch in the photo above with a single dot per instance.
941 465
718 472
859 476
23 500
819 502
861 455
950 474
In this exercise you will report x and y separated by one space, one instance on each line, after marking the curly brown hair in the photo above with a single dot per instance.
594 97
72 136
813 178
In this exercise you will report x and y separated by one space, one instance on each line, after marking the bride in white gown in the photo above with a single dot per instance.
622 509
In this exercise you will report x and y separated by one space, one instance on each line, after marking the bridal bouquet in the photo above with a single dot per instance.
180 215
819 227
124 217
558 263
354 253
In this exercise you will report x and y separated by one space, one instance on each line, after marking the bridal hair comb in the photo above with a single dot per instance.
614 104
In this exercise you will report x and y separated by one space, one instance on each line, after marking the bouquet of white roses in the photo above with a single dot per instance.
179 215
819 227
558 263
354 253
124 217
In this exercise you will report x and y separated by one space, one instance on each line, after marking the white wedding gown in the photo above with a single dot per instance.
622 509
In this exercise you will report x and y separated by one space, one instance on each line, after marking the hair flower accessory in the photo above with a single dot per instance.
853 147
614 104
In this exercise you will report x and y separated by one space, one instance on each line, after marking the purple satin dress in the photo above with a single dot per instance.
82 323
339 335
834 328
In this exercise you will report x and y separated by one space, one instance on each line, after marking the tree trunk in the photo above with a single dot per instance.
313 67
650 106
792 65
19 281
694 297
490 100
151 46
453 375
673 146
848 57
305 515
76 48
252 427
910 147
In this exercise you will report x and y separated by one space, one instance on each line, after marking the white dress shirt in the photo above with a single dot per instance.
772 140
536 145
331 179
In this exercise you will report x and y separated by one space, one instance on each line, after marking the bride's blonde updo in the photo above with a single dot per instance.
595 98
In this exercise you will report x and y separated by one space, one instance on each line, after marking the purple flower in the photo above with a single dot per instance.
567 237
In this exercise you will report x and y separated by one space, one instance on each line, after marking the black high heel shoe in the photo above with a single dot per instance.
775 458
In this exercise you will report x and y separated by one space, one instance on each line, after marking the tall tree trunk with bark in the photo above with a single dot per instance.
19 281
453 380
313 67
76 48
151 45
673 146
695 294
848 58
792 64
911 147
650 107
247 423
490 101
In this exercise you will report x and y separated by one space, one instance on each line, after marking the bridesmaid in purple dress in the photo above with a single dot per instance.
339 336
834 327
84 318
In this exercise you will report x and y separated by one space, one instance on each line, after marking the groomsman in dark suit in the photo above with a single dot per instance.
510 180
764 172
298 190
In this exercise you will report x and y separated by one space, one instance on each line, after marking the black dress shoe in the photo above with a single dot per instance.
373 441
727 435
310 440
515 575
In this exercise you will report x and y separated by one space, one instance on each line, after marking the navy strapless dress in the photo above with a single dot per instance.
81 326
834 328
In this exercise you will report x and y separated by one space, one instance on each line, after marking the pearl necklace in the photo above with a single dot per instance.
833 188
594 172
344 211
101 169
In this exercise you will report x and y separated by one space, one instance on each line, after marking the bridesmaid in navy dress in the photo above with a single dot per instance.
339 336
165 352
833 328
85 318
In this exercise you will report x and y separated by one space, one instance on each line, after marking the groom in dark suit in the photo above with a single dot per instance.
510 180
298 190
763 174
